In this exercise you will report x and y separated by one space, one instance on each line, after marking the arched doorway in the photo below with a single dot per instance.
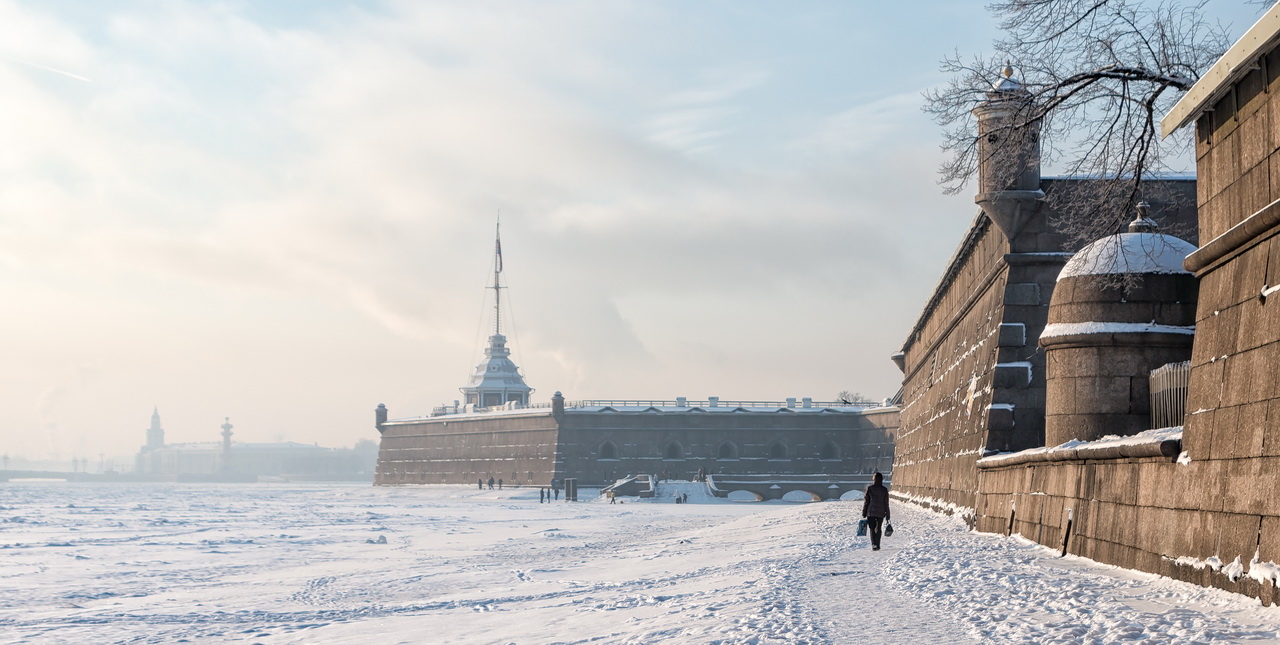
727 451
777 450
608 450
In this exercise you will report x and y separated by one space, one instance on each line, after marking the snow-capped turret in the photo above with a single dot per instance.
1122 306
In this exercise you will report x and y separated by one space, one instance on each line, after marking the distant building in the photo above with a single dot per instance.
599 442
155 434
495 433
235 461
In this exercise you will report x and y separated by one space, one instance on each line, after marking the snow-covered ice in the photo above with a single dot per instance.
292 563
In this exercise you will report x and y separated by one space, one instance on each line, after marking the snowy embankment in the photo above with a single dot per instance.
301 564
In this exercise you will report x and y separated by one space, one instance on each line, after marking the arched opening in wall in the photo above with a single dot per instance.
777 450
529 478
830 451
727 452
608 450
673 451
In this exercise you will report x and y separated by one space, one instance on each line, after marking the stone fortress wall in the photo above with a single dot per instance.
1195 503
517 448
598 444
601 447
973 374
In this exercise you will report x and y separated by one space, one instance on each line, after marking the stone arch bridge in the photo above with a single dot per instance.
821 487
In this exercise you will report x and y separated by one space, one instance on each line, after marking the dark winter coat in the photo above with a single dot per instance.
875 502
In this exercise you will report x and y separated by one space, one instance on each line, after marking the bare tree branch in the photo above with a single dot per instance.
1098 76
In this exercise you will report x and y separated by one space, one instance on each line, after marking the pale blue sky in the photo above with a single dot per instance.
282 212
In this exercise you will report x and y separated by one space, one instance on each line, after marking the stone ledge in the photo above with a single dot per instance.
1067 335
1163 442
1255 228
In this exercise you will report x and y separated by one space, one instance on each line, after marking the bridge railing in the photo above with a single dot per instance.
718 403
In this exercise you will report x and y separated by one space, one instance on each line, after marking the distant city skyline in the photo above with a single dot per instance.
283 212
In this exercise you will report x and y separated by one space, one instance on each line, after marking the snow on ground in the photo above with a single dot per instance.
295 563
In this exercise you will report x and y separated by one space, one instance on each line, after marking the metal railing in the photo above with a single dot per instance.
443 410
1168 386
664 403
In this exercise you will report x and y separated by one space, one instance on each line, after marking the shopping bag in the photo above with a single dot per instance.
888 529
862 528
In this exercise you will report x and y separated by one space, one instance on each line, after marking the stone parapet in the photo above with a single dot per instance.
1187 521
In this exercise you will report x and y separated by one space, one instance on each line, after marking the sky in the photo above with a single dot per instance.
283 213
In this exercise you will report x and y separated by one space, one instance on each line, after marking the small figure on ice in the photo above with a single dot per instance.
875 508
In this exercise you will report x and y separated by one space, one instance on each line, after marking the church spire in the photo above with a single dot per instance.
155 433
496 380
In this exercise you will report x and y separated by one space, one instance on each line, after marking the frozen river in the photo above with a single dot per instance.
293 563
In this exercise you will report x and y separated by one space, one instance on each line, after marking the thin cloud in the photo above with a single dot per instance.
46 68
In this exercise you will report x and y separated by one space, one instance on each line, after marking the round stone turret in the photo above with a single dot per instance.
1008 137
1008 149
1123 306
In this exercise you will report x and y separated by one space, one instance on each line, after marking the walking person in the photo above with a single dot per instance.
875 507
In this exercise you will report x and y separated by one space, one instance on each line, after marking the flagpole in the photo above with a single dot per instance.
497 270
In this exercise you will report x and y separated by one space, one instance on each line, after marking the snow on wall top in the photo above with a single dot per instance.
1054 330
1148 443
1130 253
